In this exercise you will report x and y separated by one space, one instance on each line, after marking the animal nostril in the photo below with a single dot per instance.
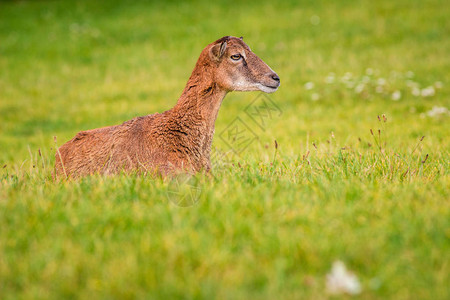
275 77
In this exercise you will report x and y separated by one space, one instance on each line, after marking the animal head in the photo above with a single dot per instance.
239 69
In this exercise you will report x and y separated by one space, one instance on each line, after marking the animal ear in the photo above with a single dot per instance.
218 50
242 38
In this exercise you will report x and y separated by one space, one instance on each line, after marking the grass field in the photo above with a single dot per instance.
360 172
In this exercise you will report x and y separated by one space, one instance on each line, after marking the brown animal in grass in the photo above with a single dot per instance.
177 140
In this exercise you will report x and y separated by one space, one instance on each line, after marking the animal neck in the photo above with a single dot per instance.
201 100
202 94
198 106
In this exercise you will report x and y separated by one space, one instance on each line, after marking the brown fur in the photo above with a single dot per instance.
178 139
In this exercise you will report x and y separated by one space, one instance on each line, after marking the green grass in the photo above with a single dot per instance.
270 222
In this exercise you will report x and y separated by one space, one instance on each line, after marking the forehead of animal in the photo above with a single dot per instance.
233 43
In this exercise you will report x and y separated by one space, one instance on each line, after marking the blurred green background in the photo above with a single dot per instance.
70 66
268 227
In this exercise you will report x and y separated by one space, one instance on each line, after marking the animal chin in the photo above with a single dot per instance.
267 88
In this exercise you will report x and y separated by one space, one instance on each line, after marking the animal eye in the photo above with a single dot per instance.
236 57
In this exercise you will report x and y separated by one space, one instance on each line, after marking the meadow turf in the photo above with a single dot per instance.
359 171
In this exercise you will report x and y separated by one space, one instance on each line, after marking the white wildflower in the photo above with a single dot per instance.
350 84
315 96
339 280
346 76
309 85
415 91
438 85
410 74
381 81
359 88
330 78
437 111
396 95
369 71
365 79
428 92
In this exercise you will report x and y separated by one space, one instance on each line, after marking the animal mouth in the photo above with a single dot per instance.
267 88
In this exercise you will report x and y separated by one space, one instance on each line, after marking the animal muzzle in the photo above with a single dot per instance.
270 82
275 80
